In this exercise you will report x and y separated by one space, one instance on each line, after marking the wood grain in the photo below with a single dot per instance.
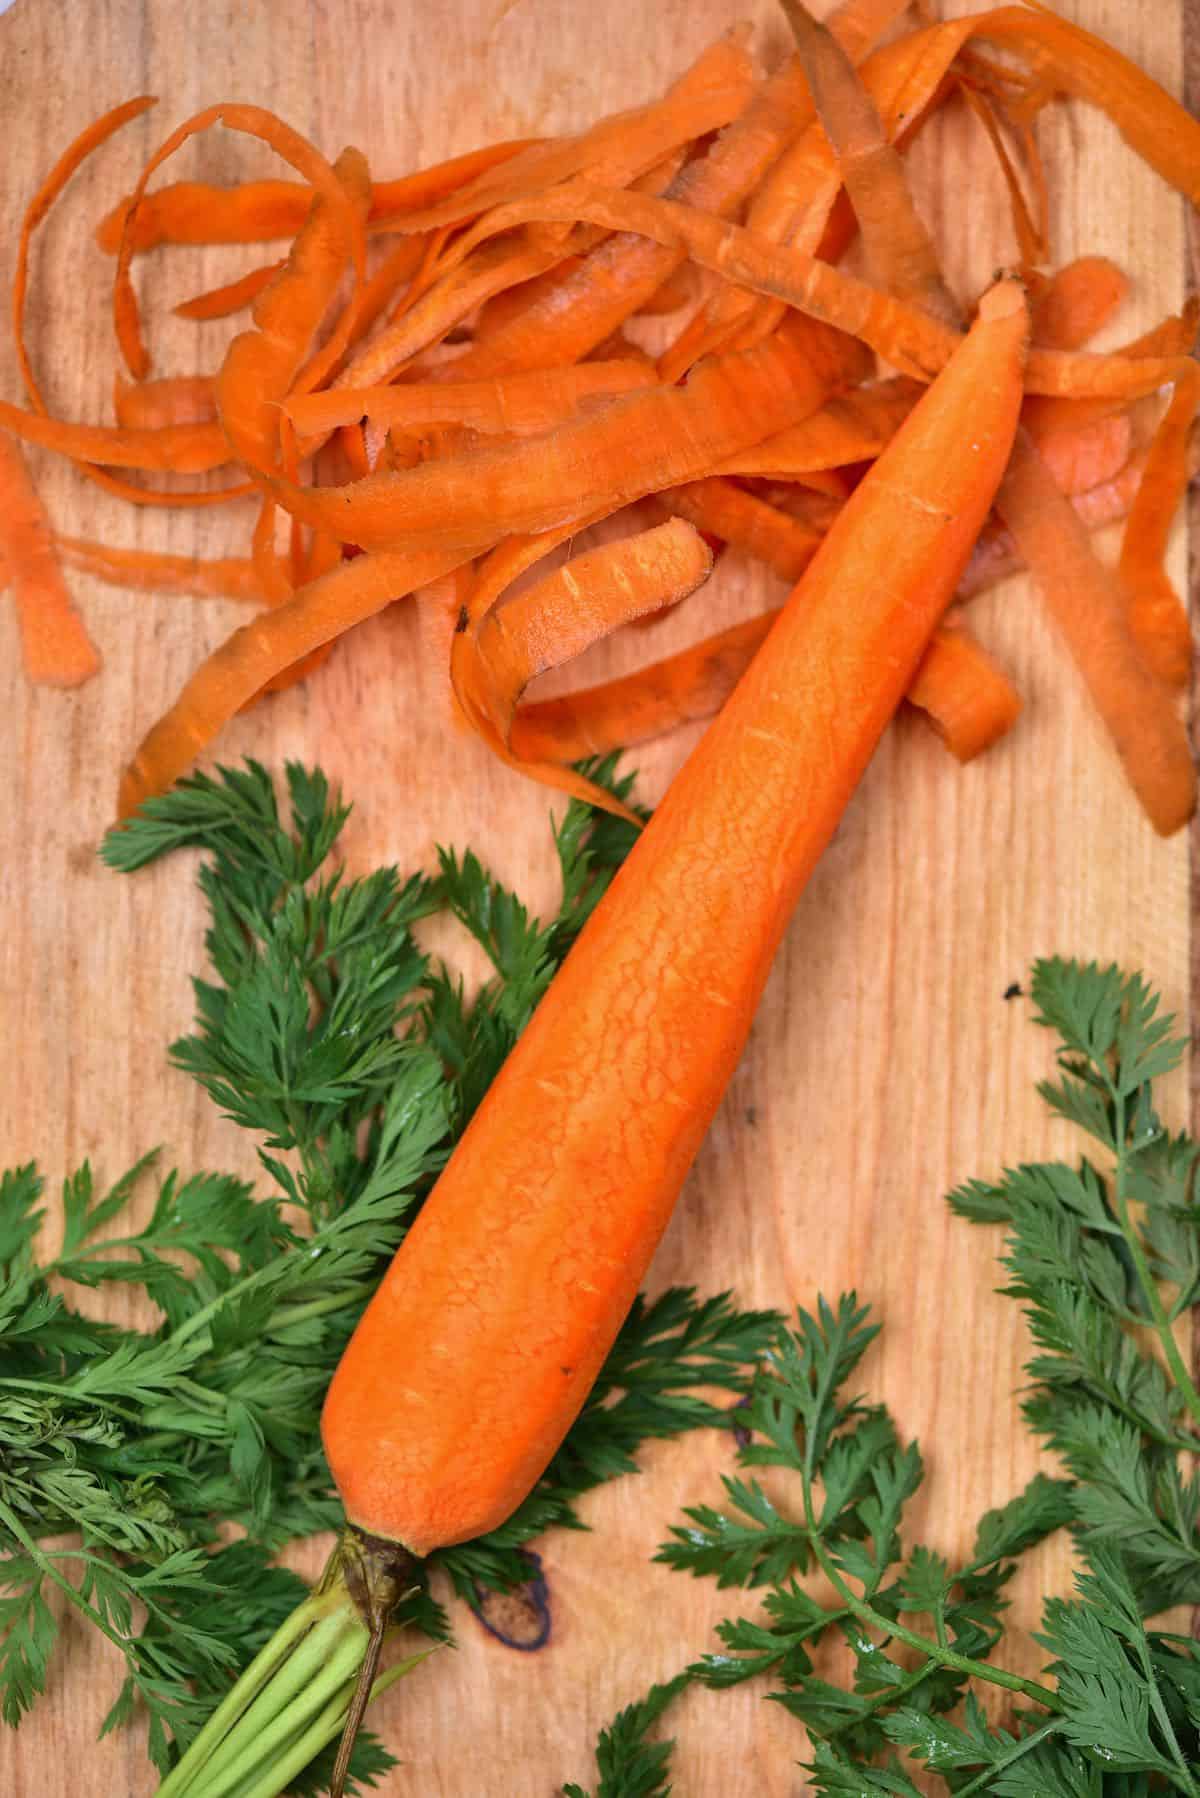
886 1063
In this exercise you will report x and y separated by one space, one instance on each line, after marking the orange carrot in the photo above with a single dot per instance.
54 642
966 696
575 1212
1088 605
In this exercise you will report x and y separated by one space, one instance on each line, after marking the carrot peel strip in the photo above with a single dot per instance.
56 648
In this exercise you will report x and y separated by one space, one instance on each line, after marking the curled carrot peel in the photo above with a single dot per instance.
421 1461
964 693
56 648
254 121
1157 616
177 449
1088 605
565 613
723 509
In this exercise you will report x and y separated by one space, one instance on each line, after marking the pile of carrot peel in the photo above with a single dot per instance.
446 380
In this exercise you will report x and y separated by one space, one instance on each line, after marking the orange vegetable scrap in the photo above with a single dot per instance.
447 376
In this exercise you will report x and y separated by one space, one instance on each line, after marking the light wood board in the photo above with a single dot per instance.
885 1065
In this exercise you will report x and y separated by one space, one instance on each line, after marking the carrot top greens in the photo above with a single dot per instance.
142 1444
1105 1265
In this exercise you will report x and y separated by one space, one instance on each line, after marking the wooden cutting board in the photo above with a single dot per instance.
886 1063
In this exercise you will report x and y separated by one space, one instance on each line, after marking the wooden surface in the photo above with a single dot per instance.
885 1064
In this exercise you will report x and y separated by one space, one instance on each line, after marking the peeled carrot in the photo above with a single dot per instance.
575 1212
54 641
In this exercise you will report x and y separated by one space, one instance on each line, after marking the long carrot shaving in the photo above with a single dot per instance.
172 400
90 139
722 509
853 427
910 339
150 571
681 689
898 246
56 648
262 365
520 404
233 296
76 153
964 693
630 446
1076 62
253 655
1032 245
193 212
495 267
1157 617
1077 301
254 121
1088 605
178 449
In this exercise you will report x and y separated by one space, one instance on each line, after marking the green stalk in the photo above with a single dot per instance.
934 1651
322 1669
310 1682
1146 1280
1010 1759
258 1674
324 1729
